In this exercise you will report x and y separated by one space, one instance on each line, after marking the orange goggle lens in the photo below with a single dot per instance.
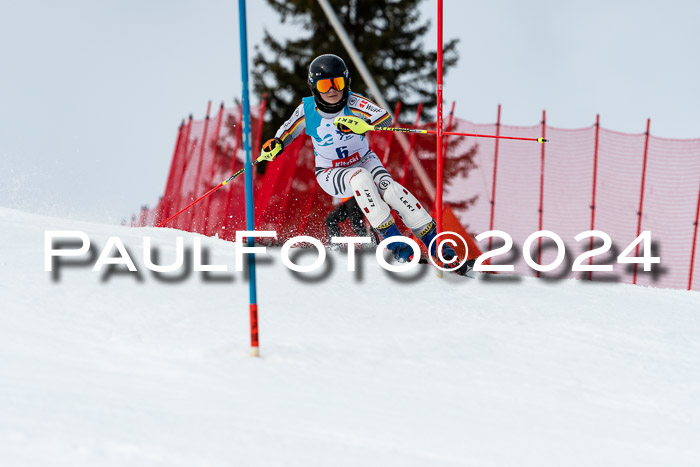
324 85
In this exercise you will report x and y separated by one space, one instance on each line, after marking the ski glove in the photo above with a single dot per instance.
346 129
271 149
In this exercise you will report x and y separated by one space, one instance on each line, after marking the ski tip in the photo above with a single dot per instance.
542 140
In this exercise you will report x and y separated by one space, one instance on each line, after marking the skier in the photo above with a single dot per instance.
345 166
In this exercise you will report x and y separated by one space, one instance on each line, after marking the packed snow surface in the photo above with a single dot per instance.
365 368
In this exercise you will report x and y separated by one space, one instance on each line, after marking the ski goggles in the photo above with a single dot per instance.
324 85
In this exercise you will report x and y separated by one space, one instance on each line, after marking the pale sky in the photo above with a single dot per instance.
92 92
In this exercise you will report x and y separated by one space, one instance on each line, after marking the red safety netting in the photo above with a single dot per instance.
535 187
561 185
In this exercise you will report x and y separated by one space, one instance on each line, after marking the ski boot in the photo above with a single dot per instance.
427 235
402 251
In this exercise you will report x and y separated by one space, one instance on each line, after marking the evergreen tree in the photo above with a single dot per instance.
387 34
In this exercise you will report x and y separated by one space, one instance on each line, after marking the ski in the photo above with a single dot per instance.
463 271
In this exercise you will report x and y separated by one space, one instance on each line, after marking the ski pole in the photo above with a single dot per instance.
359 126
205 195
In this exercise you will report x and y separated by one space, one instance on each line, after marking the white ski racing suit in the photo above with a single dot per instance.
345 165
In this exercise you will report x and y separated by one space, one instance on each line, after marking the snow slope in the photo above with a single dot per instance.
359 369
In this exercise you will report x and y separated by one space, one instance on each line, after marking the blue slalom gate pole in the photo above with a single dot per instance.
249 206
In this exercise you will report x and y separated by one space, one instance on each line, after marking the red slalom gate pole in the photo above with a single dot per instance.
595 180
189 158
185 160
641 198
495 171
541 210
198 174
695 236
223 209
438 185
212 172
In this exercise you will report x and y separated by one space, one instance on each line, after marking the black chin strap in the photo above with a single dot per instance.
330 108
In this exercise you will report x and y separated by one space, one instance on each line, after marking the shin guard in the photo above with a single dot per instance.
411 211
367 196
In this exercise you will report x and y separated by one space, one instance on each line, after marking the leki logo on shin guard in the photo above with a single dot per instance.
369 198
408 205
